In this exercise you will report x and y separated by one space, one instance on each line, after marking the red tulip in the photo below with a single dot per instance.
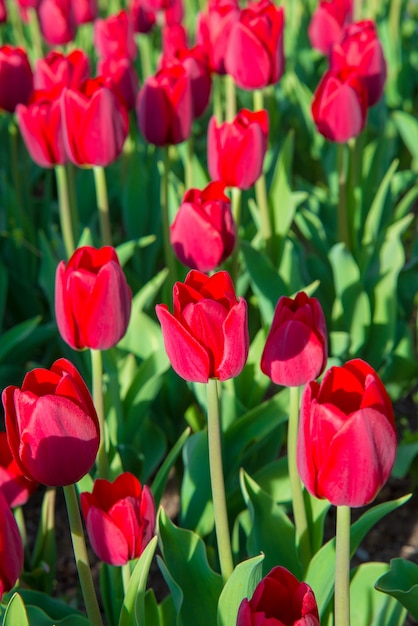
203 232
142 19
207 335
11 548
14 485
236 149
3 12
16 79
51 424
339 107
296 347
327 23
174 13
95 123
279 600
58 69
120 518
255 51
174 38
123 75
114 36
56 21
213 30
84 11
164 106
347 440
361 51
92 299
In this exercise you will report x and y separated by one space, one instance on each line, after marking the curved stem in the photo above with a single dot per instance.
97 375
102 205
342 568
65 209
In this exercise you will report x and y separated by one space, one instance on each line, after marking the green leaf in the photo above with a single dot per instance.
126 249
407 127
240 585
111 591
15 612
3 292
160 480
401 582
45 549
17 336
281 190
133 609
43 610
405 456
196 496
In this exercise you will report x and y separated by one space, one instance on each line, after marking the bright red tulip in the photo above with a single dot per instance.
255 51
213 30
207 335
174 13
296 348
56 21
84 11
120 518
11 548
339 107
16 78
164 106
114 36
92 299
361 51
123 75
14 485
203 232
236 149
347 440
58 69
174 38
52 426
327 23
279 600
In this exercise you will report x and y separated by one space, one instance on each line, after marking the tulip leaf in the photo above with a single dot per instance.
111 591
407 127
240 585
401 582
3 292
196 496
15 612
42 610
16 336
126 249
160 480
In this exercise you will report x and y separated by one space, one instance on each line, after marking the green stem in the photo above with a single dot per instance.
65 209
81 557
217 481
103 205
97 375
217 98
168 249
126 576
73 199
20 521
231 98
357 10
342 568
236 212
35 33
343 230
189 162
145 49
260 185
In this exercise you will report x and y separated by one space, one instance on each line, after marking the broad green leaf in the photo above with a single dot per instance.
407 126
196 504
111 591
17 336
15 612
405 455
160 480
47 611
401 582
240 585
280 192
143 336
126 249
132 612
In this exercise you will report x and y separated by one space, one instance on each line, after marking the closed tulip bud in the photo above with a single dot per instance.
85 11
361 51
16 78
255 51
52 426
125 80
56 21
296 349
92 299
347 440
279 599
11 548
327 23
236 149
203 232
164 106
207 334
114 36
339 106
14 485
60 70
142 19
120 518
213 30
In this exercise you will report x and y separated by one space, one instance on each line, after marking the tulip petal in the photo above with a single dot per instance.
253 68
236 342
106 539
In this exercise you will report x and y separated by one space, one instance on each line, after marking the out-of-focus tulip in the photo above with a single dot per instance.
236 149
120 518
255 51
58 69
3 12
24 5
95 122
339 107
92 299
327 23
296 349
114 36
16 78
207 334
142 19
56 21
84 11
279 599
173 14
14 485
11 548
361 51
164 106
347 440
174 38
124 77
51 424
203 232
213 30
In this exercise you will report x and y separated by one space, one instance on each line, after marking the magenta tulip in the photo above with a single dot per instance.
123 75
84 11
56 21
16 78
213 30
58 69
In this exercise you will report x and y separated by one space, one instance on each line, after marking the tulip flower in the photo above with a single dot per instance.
173 39
124 78
339 106
347 439
16 78
236 149
115 36
361 51
281 599
3 12
14 485
213 30
92 299
11 548
174 13
120 518
142 19
207 335
84 11
58 69
327 23
56 21
51 424
255 51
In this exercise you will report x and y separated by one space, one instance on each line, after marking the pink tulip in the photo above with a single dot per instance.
114 36
56 21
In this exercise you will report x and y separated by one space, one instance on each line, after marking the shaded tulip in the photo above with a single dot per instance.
164 106
279 600
51 424
3 12
203 232
11 548
60 70
255 51
347 440
16 78
84 11
361 51
213 30
56 21
296 349
327 23
120 518
142 19
236 149
14 485
114 36
124 78
339 106
207 334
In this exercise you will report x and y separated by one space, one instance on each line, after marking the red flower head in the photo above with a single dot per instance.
16 78
85 11
60 70
327 23
213 30
56 21
123 75
114 36
14 485
3 12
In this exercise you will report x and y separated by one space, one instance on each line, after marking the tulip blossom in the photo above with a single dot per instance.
203 232
327 23
84 11
142 19
16 78
296 347
123 75
115 36
120 518
236 149
51 424
56 21
279 600
58 69
207 334
174 38
92 299
255 51
14 485
213 30
11 548
347 440
3 12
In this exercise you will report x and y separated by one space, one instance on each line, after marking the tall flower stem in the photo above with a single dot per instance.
189 162
102 204
168 249
65 209
217 481
299 512
231 98
342 568
70 167
260 185
97 375
126 576
236 212
35 33
217 98
343 229
81 557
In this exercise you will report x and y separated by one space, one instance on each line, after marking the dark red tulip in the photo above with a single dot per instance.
142 19
14 485
11 548
16 78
